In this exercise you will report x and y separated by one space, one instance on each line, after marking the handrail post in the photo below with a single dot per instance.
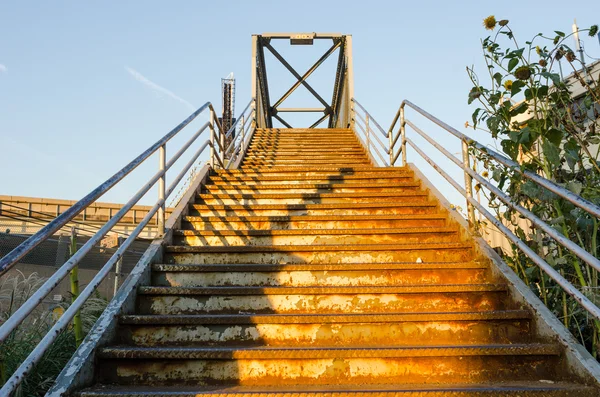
367 132
211 125
118 269
468 183
162 165
243 131
75 289
391 149
221 144
403 136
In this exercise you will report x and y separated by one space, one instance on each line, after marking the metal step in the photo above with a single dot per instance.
482 389
357 253
339 300
308 222
313 188
327 365
311 198
250 237
320 275
410 207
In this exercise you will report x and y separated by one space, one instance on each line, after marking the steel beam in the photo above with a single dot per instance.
264 84
316 123
282 121
297 75
310 71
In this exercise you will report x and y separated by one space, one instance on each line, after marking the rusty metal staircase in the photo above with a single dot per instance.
302 262
307 272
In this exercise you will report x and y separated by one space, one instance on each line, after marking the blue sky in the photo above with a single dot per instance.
76 102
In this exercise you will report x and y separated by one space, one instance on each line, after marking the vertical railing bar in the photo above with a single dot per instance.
402 136
162 162
468 182
212 139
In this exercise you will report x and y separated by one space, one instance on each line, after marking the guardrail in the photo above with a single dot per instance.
398 130
218 154
369 137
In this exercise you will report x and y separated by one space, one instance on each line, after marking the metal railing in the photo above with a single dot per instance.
369 137
224 158
397 145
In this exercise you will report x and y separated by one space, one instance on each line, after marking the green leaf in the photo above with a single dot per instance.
498 78
554 77
476 116
519 109
511 148
561 34
530 189
571 149
496 175
551 152
575 186
493 125
474 94
512 63
542 91
516 87
555 136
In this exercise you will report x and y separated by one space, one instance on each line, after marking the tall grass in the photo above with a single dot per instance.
15 289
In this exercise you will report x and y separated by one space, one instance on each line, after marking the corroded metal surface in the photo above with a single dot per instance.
224 353
316 236
325 371
163 267
322 278
436 332
381 208
508 389
306 222
308 274
327 303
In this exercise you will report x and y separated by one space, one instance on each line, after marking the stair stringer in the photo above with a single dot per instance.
577 360
79 371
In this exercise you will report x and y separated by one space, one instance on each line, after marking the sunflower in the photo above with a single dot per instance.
508 84
543 63
523 73
490 22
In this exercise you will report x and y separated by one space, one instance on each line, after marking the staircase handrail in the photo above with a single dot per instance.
364 122
467 191
13 257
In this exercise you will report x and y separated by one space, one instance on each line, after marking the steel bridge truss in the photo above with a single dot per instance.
337 110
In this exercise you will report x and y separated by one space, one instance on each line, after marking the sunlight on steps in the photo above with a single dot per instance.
309 271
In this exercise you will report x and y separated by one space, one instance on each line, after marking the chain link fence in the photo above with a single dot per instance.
52 253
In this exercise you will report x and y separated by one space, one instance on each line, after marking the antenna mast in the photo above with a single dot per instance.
228 94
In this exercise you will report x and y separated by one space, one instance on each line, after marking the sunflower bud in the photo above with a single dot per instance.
559 54
593 30
570 56
503 22
543 63
523 73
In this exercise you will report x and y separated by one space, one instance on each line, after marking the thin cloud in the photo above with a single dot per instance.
157 88
3 68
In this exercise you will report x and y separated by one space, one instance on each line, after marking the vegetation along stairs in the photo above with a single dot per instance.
309 271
